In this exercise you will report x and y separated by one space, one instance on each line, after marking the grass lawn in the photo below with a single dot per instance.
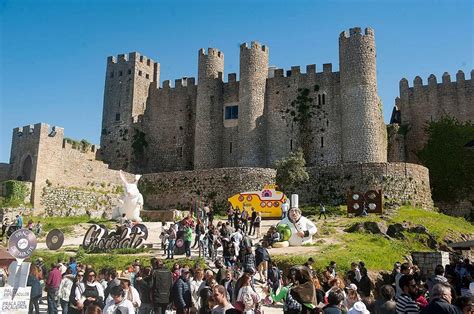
119 261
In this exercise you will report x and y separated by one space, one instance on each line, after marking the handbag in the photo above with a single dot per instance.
169 309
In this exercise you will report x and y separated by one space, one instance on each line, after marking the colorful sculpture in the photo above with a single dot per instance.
301 228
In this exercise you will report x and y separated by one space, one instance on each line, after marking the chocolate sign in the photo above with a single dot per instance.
98 238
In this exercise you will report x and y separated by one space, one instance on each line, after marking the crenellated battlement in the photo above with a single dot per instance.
356 32
37 131
131 57
433 82
310 69
211 52
183 82
254 45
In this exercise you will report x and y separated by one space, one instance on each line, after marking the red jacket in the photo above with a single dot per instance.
54 278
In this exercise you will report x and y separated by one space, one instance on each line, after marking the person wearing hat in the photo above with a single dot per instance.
118 303
182 293
130 293
358 308
352 296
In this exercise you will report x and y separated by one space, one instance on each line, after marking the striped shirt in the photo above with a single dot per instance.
406 305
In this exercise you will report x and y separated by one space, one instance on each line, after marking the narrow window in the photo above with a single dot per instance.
230 148
111 74
231 112
140 73
319 99
117 117
180 152
322 142
129 71
327 123
324 99
120 73
147 76
291 145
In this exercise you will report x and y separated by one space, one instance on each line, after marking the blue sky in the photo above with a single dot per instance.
53 53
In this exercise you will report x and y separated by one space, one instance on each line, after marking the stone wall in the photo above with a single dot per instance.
401 183
4 171
422 103
461 208
427 261
168 190
55 164
71 201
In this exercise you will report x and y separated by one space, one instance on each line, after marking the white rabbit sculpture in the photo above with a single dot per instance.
131 202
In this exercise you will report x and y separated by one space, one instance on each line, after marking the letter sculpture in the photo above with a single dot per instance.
295 228
131 202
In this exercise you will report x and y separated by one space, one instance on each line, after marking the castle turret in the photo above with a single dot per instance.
253 76
209 116
363 129
127 83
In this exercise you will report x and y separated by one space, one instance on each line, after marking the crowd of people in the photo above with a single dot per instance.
243 279
242 288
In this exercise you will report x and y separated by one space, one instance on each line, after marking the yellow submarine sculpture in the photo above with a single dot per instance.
267 202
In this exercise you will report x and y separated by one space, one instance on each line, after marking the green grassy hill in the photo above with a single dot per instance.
377 251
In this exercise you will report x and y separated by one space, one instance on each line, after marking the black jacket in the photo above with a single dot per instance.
440 306
144 289
161 284
182 294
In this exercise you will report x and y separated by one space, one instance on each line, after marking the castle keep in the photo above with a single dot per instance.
335 117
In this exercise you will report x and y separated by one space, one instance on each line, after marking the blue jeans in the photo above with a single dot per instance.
52 301
64 305
187 248
171 243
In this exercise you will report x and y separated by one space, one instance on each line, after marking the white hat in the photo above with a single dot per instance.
352 287
358 308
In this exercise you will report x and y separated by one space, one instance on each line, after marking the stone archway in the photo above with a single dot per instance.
26 169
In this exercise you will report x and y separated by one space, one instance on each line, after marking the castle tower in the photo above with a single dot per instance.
363 129
209 115
127 84
31 155
253 77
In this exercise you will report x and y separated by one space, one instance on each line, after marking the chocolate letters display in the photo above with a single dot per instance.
98 238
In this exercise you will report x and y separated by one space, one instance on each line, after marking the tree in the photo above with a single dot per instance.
451 164
291 171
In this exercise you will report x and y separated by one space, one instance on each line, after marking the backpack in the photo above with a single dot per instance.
273 274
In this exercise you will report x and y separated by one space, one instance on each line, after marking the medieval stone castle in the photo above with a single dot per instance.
194 139
334 116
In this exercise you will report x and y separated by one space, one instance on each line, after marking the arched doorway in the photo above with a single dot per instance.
26 169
